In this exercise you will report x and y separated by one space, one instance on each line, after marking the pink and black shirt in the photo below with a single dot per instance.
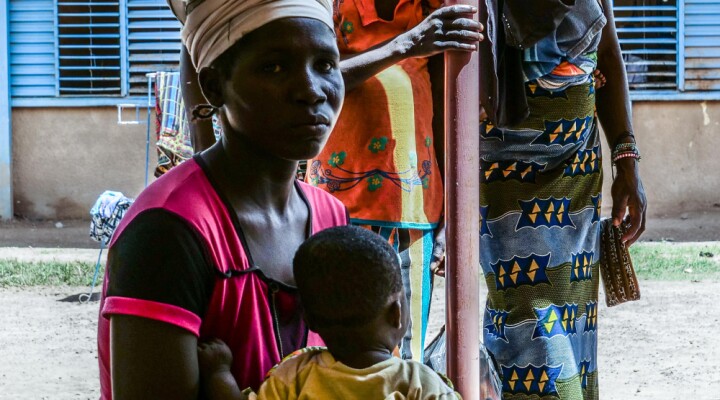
179 257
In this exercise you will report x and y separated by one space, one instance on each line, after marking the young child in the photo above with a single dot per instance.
350 286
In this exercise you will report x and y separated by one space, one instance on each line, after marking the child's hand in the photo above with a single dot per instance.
448 28
214 356
600 80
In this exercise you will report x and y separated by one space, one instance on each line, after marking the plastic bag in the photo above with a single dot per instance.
435 357
106 214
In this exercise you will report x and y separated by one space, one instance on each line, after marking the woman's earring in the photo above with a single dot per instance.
203 111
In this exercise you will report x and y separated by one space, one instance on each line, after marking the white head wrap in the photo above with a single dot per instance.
213 26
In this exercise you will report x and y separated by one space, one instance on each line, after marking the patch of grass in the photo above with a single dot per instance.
653 261
22 274
669 261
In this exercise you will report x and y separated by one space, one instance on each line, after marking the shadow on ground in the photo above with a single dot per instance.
81 298
691 226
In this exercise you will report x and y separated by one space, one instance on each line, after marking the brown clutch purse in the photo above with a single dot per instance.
616 268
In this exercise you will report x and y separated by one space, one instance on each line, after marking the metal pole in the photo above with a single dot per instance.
462 200
6 188
150 77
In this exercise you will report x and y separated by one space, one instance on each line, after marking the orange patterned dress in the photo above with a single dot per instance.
380 159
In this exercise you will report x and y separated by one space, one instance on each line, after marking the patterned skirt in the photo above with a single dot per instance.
414 248
539 209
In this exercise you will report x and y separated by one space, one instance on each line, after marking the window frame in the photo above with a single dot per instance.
82 100
107 48
679 94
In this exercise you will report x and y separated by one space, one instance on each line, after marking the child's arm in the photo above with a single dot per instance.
217 382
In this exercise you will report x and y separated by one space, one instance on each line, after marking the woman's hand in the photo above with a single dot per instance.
629 202
448 28
437 262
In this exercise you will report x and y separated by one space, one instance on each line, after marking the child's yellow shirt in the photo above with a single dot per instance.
314 374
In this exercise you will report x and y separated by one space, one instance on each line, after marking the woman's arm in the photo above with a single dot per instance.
448 28
152 360
615 113
159 283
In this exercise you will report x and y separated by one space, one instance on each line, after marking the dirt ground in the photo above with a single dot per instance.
690 226
662 347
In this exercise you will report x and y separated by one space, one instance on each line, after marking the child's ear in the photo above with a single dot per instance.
210 81
395 314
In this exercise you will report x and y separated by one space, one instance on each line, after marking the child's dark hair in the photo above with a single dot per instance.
345 276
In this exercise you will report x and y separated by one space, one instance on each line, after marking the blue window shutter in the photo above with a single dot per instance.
702 45
648 35
89 47
153 41
32 48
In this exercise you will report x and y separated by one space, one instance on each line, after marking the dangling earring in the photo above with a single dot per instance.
203 111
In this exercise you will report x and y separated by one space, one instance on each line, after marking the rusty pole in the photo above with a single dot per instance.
462 200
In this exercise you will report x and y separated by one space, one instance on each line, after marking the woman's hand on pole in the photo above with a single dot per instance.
447 28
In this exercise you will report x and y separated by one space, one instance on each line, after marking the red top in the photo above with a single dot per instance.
240 311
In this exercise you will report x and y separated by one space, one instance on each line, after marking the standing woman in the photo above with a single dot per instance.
384 157
206 250
541 182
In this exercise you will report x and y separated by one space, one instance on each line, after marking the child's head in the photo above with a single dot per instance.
271 68
351 288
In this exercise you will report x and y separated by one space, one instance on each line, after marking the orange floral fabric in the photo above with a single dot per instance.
380 160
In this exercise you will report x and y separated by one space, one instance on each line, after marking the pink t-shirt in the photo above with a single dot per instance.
243 301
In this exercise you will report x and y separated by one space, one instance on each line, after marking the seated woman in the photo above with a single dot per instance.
206 250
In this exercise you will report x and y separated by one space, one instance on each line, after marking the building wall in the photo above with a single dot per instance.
680 166
65 157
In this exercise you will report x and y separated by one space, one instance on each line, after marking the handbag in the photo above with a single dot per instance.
616 267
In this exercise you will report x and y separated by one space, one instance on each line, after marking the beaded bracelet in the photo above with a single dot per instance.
625 148
627 154
626 134
624 154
